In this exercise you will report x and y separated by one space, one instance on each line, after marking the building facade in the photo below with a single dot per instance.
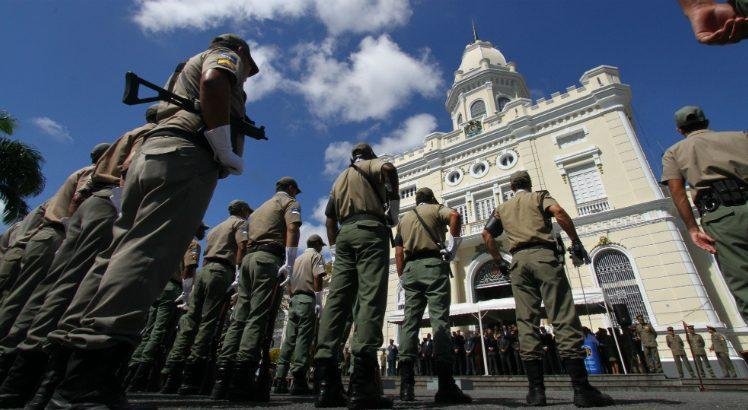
581 145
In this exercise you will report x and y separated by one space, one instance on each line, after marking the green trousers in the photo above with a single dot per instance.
258 279
168 188
161 318
197 327
652 356
40 252
727 225
10 265
728 370
359 275
680 360
426 281
89 231
537 275
702 362
298 336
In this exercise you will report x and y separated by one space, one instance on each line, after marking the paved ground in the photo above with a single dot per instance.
482 399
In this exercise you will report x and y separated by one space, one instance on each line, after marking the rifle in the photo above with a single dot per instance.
241 126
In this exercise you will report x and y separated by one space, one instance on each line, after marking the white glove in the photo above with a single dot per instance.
332 253
287 269
186 290
116 199
318 305
235 283
393 211
219 139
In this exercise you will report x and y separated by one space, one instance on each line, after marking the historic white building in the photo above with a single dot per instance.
581 145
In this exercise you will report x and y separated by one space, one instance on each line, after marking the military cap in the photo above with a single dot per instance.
710 328
286 182
689 115
363 149
690 326
99 150
236 41
669 328
237 205
425 194
314 240
520 177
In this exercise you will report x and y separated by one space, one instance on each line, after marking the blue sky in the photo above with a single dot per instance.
337 71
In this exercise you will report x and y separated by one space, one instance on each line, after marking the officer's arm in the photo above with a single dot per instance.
331 223
391 180
678 193
215 97
292 235
455 223
564 221
491 247
399 255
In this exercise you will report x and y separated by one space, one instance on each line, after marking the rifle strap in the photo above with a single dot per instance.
372 185
426 228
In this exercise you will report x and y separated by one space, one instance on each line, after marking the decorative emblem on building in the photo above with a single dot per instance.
489 276
473 128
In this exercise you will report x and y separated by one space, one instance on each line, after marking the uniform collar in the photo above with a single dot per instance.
284 193
697 132
520 190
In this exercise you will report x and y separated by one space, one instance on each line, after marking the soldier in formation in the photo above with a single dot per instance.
675 343
719 347
698 347
648 337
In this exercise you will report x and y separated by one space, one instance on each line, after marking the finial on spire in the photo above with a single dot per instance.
475 32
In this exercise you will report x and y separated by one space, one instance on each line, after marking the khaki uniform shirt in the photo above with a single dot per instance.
525 219
414 237
224 239
187 85
268 223
646 334
190 258
116 159
697 344
719 344
352 194
705 156
58 207
675 343
308 265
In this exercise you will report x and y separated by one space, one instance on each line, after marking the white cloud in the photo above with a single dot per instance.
54 129
410 135
316 224
375 80
338 16
269 78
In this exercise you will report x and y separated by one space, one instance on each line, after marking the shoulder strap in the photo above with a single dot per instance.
372 185
431 235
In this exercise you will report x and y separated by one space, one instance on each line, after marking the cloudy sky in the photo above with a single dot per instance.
334 72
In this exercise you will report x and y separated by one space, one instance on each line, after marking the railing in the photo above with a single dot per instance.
593 207
472 228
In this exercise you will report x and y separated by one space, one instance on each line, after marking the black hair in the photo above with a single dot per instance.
694 126
521 184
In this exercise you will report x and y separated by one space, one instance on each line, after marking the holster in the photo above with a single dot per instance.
729 192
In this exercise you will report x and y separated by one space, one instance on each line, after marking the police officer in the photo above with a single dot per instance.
163 316
537 274
11 261
719 347
648 337
698 346
357 202
675 343
715 164
168 188
422 258
225 248
273 239
305 282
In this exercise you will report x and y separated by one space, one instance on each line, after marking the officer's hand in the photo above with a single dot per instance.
317 309
284 271
332 253
702 240
714 23
219 139
235 283
503 267
579 255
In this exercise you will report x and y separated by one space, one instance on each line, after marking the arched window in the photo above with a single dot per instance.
501 102
616 277
477 109
489 283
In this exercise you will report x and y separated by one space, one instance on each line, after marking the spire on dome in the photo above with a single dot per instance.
475 32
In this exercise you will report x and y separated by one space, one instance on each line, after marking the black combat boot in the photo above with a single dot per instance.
327 377
139 381
192 378
242 386
363 393
448 392
23 377
91 379
6 361
221 383
173 373
407 381
280 385
584 394
536 392
299 385
263 384
56 366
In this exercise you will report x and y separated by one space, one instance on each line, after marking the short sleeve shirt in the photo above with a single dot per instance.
308 265
58 207
719 344
705 156
109 167
526 220
352 193
224 239
187 84
268 223
415 238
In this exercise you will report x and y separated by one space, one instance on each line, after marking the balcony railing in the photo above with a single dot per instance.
472 228
593 207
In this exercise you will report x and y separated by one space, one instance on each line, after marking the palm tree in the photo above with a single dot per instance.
20 172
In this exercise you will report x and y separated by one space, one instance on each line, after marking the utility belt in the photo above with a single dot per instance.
728 191
196 138
424 255
304 292
535 245
271 247
226 264
362 217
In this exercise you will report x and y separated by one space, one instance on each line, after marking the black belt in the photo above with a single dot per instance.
196 138
271 247
424 255
58 226
225 263
549 246
362 217
304 292
728 192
